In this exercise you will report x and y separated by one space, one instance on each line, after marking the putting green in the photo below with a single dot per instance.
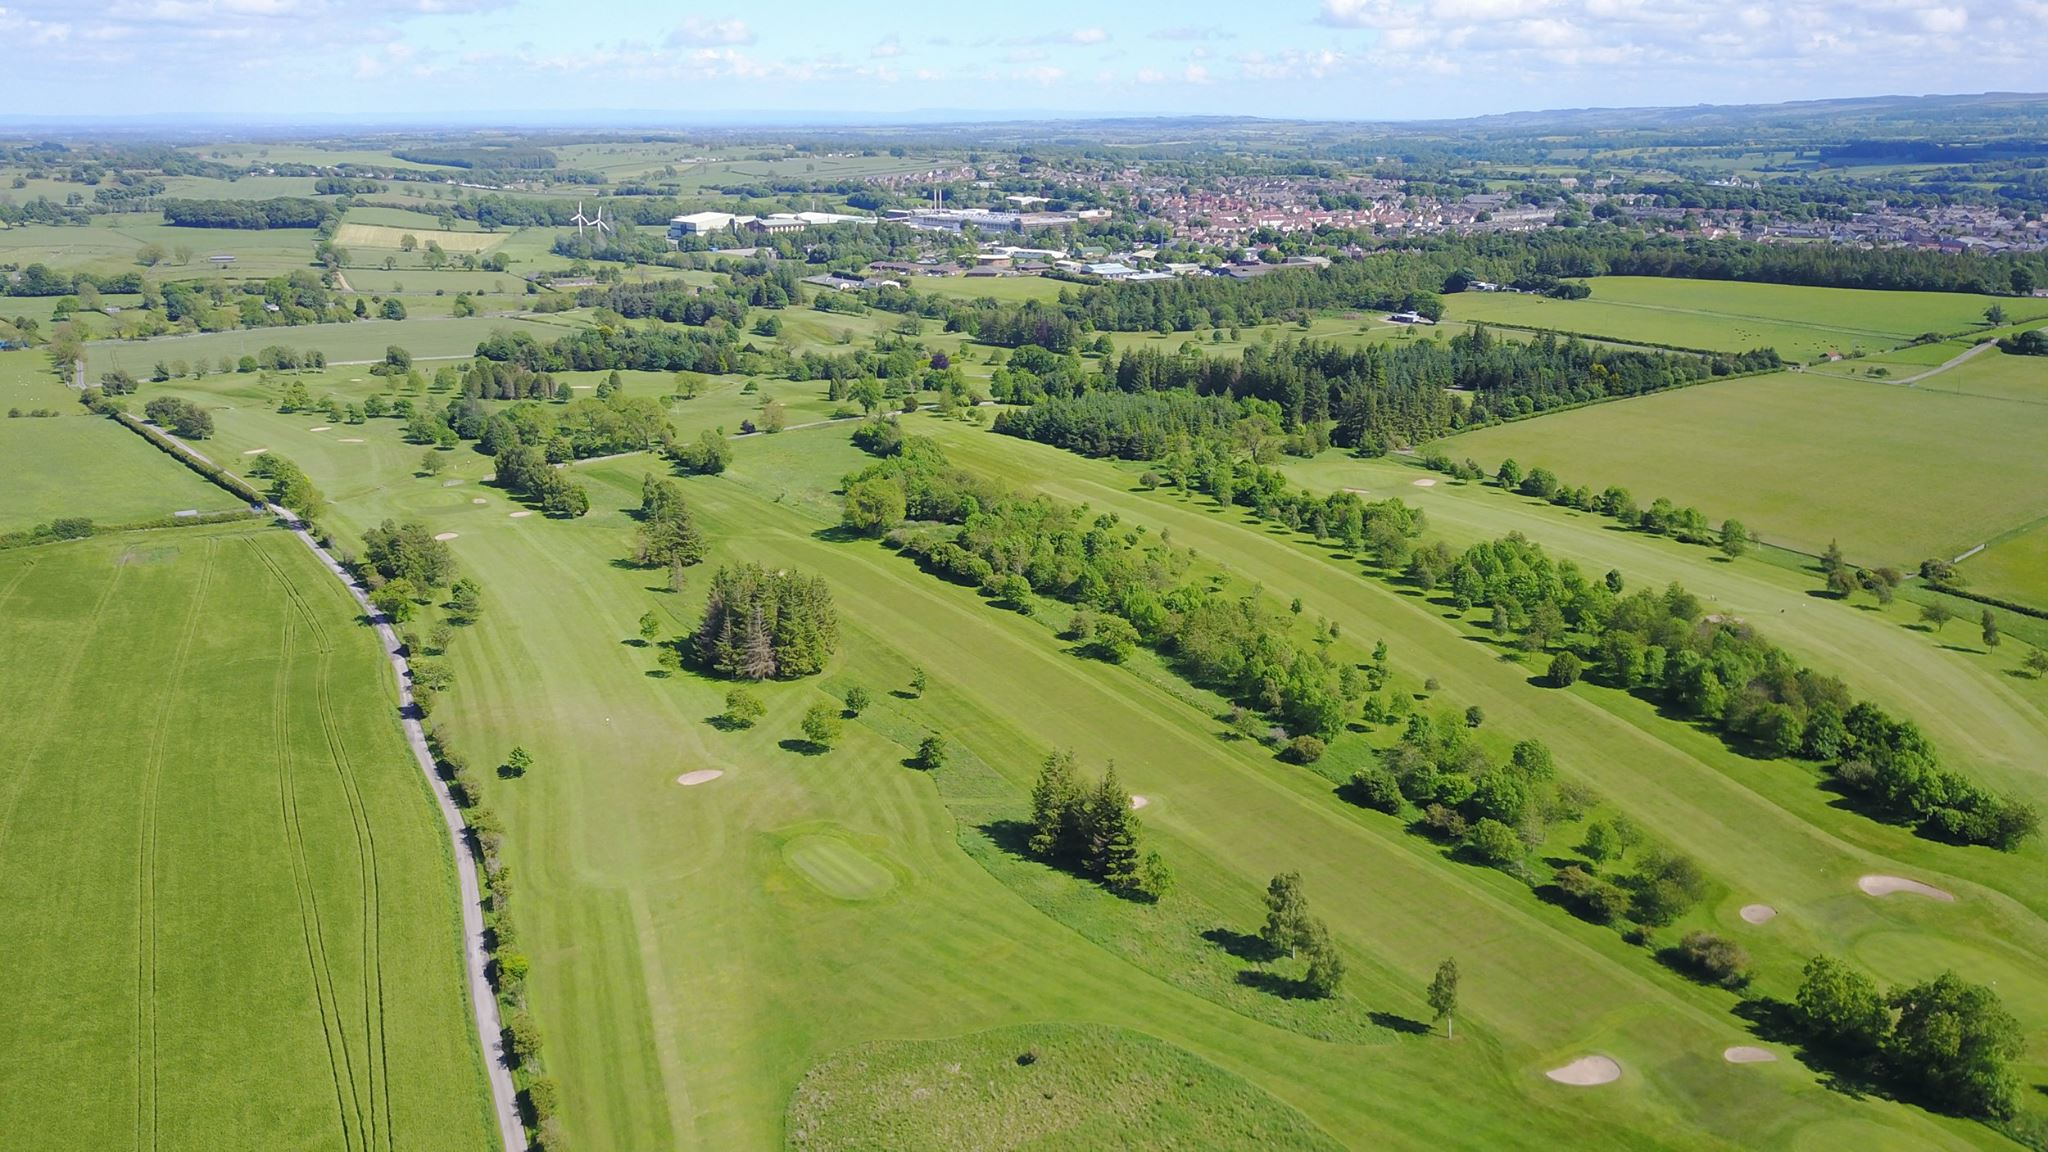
837 868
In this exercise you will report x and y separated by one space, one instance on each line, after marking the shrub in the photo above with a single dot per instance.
1494 842
1304 749
1591 897
1565 669
522 1036
931 752
856 700
1714 958
1377 789
1444 822
822 725
742 708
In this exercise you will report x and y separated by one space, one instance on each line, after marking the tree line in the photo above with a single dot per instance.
278 212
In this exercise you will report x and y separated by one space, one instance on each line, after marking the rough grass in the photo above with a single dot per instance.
1895 474
225 896
1082 1087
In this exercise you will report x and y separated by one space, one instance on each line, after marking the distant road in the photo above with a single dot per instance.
1946 365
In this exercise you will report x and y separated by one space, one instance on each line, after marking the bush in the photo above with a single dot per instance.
542 1098
1714 958
1565 669
1494 842
856 700
742 708
822 725
1304 750
522 1036
1591 897
1375 788
931 752
1444 822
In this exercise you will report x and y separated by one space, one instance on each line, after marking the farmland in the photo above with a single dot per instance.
1803 324
1872 465
235 905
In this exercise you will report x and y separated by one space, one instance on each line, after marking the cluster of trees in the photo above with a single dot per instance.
1661 518
761 625
667 536
1133 587
1291 931
42 280
525 469
181 416
713 350
1091 830
402 564
1372 398
1720 671
2032 342
557 433
290 487
1944 1041
279 212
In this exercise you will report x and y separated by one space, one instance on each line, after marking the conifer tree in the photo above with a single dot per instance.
1113 834
1287 917
1056 803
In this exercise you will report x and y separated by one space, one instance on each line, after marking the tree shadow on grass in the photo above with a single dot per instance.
1778 1022
725 723
1242 945
803 747
1394 1022
1274 984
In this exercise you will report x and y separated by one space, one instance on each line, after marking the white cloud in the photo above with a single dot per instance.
887 48
1087 36
698 30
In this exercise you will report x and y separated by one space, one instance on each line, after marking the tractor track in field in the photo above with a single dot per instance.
340 1067
376 1033
146 1064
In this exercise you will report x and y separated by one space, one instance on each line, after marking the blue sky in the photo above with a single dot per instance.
275 60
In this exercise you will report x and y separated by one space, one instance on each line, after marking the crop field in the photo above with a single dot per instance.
354 235
1803 324
708 959
1870 465
229 910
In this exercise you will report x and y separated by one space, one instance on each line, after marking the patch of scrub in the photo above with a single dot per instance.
837 868
1749 1054
700 776
1587 1071
1036 1086
1759 913
1886 885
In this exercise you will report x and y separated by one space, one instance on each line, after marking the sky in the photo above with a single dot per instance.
278 61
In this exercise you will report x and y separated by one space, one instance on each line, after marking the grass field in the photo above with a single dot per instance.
1803 324
78 464
111 243
1882 469
229 910
2013 568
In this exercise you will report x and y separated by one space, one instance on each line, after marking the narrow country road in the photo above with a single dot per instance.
1975 350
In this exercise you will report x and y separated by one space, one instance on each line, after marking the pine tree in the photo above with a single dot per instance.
757 659
1113 834
1056 803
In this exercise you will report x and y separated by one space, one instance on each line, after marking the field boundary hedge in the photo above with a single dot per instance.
190 459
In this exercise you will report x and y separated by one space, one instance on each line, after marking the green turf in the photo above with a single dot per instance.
433 337
1041 1086
1895 474
226 897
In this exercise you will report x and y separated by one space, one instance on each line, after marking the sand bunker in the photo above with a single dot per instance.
322 428
700 776
255 451
522 512
1587 1071
1758 913
1426 482
1139 801
478 500
350 440
1746 1054
446 535
1360 491
1886 885
451 483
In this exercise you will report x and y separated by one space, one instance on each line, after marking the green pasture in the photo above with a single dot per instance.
432 337
1895 474
1803 324
230 914
2014 567
110 244
79 464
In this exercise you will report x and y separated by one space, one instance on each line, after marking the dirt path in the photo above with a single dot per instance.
341 281
1975 350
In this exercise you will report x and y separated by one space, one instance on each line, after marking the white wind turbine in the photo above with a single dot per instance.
603 227
579 219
